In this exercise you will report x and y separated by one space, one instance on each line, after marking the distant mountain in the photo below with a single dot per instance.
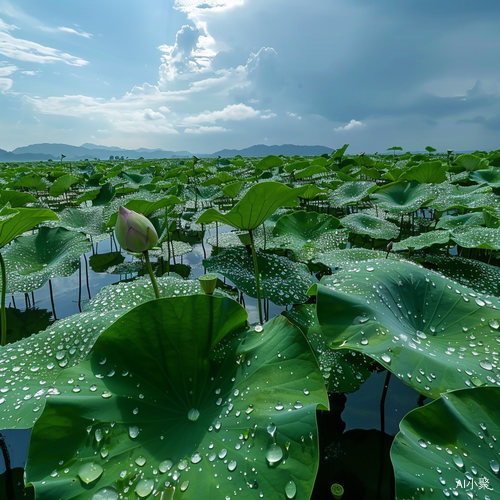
261 150
91 151
46 151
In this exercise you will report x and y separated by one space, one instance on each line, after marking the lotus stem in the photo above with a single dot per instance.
151 274
257 277
3 317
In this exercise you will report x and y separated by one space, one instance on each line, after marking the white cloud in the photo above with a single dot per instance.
5 73
268 116
25 50
204 130
63 29
352 124
233 112
192 6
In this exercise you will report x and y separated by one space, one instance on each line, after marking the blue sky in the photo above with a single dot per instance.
203 75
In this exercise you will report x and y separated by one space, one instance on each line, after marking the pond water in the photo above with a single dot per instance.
354 450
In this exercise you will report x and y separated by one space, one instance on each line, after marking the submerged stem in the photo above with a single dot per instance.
151 274
257 277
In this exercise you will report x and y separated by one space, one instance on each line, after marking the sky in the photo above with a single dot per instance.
204 75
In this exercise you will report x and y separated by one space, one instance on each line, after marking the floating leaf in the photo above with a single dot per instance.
351 192
282 281
375 227
52 252
477 237
423 240
403 197
308 232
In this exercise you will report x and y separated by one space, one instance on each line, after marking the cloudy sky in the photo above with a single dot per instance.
203 75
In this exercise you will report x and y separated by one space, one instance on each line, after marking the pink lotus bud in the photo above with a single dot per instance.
134 231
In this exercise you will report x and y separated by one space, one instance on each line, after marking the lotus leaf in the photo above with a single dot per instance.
343 370
351 192
449 446
403 197
375 227
52 252
432 333
306 233
423 240
258 203
151 410
282 281
475 274
477 237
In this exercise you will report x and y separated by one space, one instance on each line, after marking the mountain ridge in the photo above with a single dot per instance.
54 151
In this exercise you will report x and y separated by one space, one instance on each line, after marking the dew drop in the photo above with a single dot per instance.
165 466
193 414
274 453
133 431
386 358
140 461
196 458
486 365
290 490
422 443
88 473
231 466
494 466
107 493
184 486
144 487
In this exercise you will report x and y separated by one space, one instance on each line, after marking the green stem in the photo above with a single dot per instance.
151 274
3 317
257 277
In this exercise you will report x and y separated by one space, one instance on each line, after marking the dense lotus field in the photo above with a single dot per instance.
163 387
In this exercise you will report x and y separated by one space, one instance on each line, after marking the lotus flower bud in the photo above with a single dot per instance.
134 231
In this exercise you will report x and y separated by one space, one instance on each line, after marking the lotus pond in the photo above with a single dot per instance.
349 348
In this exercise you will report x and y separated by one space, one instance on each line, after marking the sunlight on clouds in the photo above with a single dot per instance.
193 5
233 112
352 124
204 130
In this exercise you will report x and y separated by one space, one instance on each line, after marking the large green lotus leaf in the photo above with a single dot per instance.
282 281
477 237
232 189
52 252
471 162
15 198
375 227
449 446
86 220
475 274
310 171
62 185
343 370
269 161
470 197
490 177
308 232
453 221
29 367
429 172
423 240
351 192
403 197
15 221
175 398
432 333
351 257
258 203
